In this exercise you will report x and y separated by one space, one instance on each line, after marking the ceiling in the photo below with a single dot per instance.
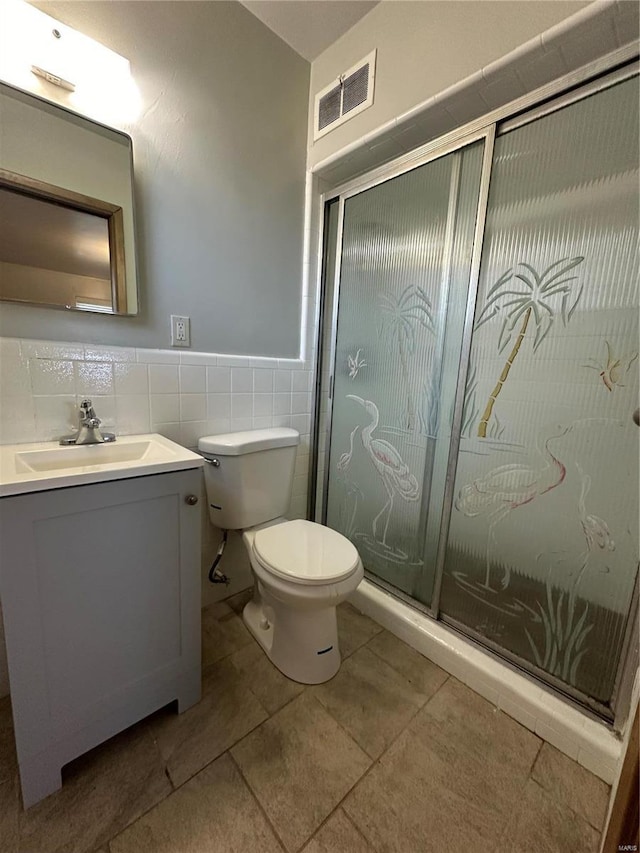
309 26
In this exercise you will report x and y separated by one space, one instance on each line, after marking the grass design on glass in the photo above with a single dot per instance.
533 298
564 635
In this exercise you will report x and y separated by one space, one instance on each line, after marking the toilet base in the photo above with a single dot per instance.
303 644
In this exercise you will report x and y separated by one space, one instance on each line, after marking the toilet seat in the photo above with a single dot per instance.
305 552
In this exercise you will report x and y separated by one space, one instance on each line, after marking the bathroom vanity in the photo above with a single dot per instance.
100 590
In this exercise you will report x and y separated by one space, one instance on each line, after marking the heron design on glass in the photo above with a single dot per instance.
498 492
613 369
401 316
539 295
391 468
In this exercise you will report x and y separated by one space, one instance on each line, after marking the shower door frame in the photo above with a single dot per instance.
597 76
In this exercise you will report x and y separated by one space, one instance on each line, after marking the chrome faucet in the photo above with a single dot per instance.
88 428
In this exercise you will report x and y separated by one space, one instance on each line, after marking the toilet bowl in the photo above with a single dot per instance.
302 570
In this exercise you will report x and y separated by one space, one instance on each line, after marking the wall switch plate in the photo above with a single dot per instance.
180 331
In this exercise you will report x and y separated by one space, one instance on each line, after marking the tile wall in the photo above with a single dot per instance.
182 395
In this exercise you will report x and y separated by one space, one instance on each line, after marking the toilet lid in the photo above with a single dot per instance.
305 551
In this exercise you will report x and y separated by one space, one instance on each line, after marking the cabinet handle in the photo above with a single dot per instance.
192 500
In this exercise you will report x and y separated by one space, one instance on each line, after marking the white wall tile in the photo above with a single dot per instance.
263 381
132 414
262 405
282 404
241 424
282 381
55 416
242 406
217 426
170 431
301 380
299 404
52 376
203 359
157 356
94 378
241 380
17 419
218 379
193 407
218 406
15 375
263 422
165 408
191 432
131 378
50 349
163 379
113 354
193 379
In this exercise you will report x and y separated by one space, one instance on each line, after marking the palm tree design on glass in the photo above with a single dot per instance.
537 295
401 315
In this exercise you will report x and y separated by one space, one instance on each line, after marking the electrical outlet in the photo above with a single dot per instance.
180 331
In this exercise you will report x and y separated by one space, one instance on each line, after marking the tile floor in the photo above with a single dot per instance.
391 755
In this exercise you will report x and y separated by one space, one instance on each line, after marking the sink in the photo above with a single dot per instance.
47 465
59 458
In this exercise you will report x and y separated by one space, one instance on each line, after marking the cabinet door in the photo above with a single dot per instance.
100 587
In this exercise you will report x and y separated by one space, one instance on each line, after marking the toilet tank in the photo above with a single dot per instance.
249 475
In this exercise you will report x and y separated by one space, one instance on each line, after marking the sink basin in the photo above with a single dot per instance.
47 465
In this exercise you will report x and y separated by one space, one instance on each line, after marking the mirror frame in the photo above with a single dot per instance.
85 204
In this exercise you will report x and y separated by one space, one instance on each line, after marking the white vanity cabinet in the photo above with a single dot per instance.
100 588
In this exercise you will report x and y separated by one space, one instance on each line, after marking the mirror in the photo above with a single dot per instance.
66 209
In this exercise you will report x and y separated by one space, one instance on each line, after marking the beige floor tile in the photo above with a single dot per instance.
371 700
449 782
354 629
543 823
223 633
418 670
480 744
571 784
300 764
212 813
227 711
8 760
10 807
338 835
103 791
272 688
237 602
404 805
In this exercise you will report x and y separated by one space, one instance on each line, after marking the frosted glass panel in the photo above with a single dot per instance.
405 262
543 547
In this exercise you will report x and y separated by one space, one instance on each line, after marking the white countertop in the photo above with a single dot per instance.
47 465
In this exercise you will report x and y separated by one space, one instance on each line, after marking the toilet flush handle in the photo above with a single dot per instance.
214 462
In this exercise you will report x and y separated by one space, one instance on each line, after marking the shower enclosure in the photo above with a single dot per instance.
479 373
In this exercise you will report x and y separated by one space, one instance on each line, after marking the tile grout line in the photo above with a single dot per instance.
374 762
254 796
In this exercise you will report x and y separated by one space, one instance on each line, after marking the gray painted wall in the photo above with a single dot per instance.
219 153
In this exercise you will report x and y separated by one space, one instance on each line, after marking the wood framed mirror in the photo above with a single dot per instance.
60 248
67 231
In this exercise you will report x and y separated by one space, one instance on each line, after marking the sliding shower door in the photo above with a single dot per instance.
542 553
403 283
482 454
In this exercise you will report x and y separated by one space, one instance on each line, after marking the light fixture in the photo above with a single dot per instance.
49 59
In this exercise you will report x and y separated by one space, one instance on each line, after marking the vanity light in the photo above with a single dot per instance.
38 53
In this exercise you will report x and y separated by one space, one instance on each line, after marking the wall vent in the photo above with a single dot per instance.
345 97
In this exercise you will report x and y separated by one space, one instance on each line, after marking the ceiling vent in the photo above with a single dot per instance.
345 97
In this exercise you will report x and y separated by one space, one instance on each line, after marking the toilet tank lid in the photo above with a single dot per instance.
249 441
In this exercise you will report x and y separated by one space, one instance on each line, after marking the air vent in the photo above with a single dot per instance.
345 97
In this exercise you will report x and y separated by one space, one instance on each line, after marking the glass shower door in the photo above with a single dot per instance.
405 260
542 554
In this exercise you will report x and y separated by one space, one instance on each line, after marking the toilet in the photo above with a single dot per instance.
302 570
